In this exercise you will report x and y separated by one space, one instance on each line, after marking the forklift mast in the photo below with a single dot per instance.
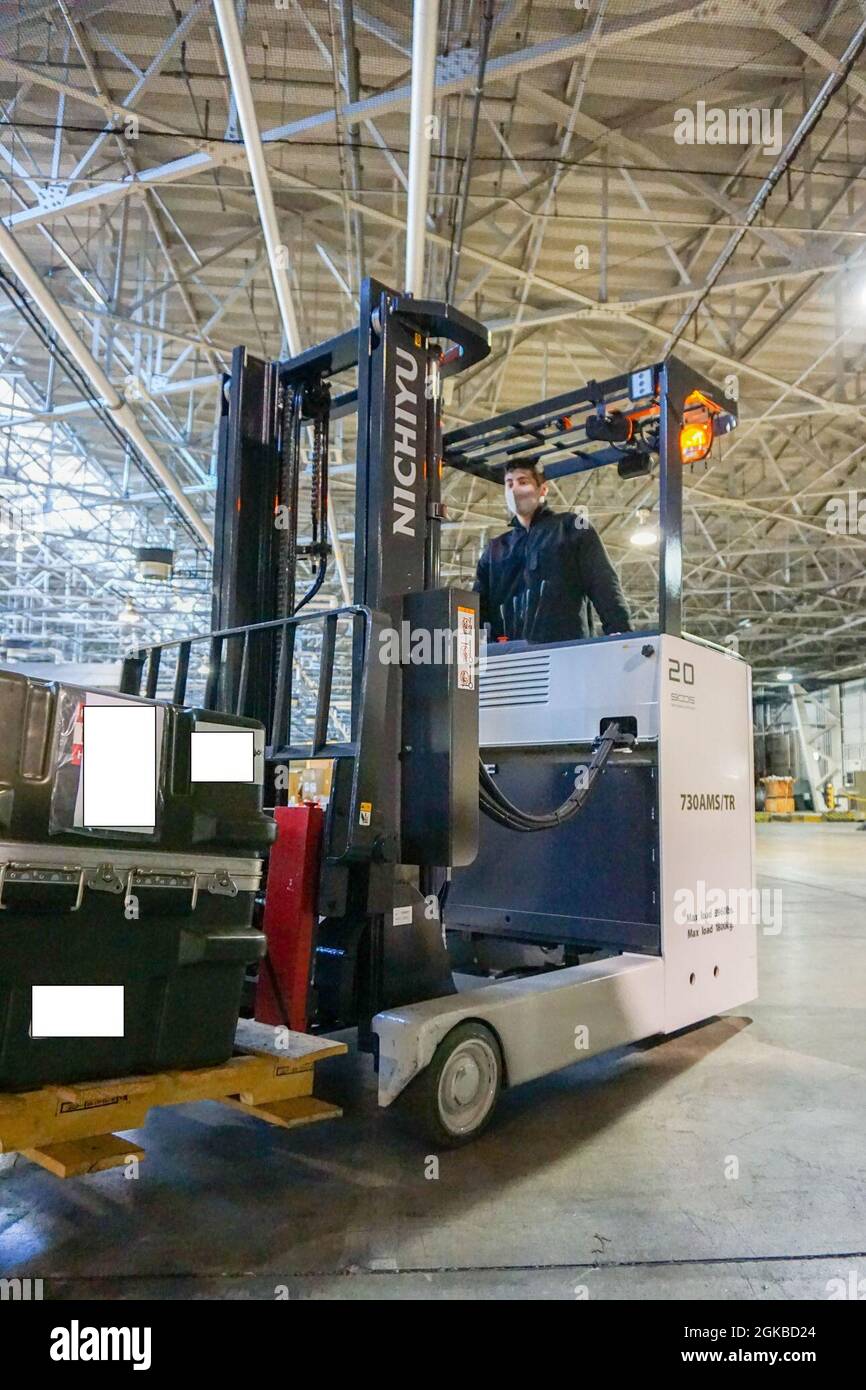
404 802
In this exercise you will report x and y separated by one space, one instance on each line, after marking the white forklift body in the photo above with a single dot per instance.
692 703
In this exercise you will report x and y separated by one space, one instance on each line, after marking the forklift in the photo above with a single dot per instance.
531 852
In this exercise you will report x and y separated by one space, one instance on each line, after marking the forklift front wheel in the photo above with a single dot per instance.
453 1100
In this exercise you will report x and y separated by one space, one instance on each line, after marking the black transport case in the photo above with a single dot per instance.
165 913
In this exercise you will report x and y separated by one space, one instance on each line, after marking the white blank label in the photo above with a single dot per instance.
119 766
76 1011
222 756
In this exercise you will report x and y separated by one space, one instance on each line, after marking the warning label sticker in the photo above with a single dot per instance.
466 648
77 752
366 812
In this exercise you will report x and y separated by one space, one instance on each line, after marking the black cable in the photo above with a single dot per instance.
365 147
289 469
495 804
319 404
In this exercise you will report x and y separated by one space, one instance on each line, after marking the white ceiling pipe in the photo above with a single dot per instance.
75 346
243 94
425 30
277 253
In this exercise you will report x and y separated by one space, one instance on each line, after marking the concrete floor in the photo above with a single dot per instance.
607 1180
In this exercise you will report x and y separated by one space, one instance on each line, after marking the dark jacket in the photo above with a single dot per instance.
543 579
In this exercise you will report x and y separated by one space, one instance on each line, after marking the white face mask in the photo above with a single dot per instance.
511 504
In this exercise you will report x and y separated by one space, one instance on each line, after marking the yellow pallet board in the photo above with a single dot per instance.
298 1110
75 1157
71 1129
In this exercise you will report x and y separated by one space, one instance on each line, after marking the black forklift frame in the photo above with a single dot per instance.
399 736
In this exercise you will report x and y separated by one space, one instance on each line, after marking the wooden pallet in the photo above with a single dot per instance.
70 1129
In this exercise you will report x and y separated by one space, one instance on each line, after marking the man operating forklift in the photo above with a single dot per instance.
538 579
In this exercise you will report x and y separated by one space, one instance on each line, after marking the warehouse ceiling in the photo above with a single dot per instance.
597 218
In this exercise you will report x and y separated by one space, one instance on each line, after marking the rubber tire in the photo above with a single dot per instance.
419 1103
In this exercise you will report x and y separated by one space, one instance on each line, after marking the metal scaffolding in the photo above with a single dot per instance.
592 183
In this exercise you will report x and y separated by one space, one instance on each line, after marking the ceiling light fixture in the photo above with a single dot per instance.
645 533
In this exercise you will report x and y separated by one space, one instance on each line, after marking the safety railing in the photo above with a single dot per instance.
254 671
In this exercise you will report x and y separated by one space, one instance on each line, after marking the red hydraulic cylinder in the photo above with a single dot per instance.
290 916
